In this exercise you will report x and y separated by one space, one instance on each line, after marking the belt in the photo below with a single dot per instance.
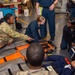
45 7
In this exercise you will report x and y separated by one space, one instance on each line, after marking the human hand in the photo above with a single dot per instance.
73 64
67 66
37 11
51 7
30 39
73 44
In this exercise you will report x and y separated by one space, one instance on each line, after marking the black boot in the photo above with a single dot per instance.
52 39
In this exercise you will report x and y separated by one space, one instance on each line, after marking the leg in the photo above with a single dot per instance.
68 71
51 21
63 44
43 28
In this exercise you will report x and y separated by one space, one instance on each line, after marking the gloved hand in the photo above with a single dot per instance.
68 66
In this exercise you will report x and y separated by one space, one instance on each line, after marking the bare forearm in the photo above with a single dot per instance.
37 6
55 2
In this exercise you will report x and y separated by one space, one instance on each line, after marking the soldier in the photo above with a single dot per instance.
35 56
7 34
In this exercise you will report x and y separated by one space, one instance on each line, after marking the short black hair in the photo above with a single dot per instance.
1 20
35 54
72 21
7 16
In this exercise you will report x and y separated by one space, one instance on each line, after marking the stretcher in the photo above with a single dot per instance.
13 56
48 48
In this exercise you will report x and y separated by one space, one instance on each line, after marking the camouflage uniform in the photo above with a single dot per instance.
41 71
12 26
7 34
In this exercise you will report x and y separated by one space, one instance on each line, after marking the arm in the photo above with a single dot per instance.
55 2
13 33
53 5
37 6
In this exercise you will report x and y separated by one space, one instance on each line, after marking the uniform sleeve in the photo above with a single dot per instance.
13 33
22 73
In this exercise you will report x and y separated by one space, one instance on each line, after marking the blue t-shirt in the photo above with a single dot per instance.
45 3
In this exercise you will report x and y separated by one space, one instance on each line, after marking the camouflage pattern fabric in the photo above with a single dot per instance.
7 34
13 26
41 71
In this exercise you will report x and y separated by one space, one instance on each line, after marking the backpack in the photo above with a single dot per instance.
19 26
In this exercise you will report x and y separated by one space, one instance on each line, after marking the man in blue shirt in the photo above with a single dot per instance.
49 14
68 37
32 29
